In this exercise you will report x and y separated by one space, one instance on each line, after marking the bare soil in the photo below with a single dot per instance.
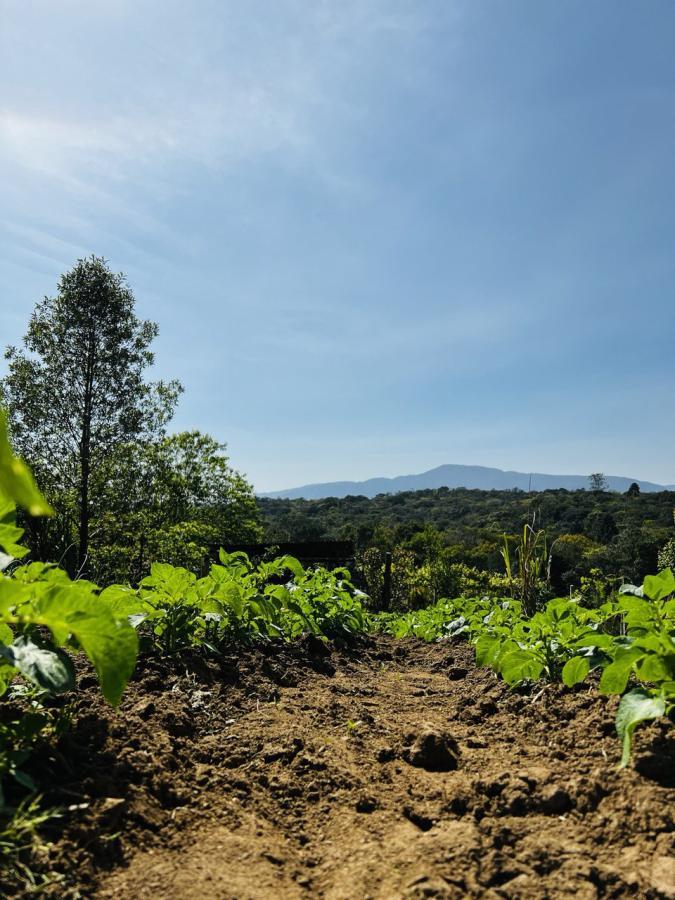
394 769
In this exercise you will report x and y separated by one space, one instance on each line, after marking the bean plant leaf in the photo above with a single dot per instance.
635 707
575 670
49 668
656 668
658 587
10 533
110 644
16 481
487 649
615 677
294 565
520 665
631 589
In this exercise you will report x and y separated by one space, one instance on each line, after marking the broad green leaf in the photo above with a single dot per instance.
6 636
592 639
520 665
232 595
50 669
635 707
575 670
295 566
615 676
487 649
10 533
12 593
639 610
110 643
16 481
122 601
655 668
660 586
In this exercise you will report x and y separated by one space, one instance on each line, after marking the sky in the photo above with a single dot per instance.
377 235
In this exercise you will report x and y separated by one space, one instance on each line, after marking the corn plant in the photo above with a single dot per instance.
532 564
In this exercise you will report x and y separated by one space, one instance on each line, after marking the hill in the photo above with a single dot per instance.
457 476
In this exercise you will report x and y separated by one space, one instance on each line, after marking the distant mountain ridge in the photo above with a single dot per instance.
455 476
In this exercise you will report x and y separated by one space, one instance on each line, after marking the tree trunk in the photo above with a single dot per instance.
85 455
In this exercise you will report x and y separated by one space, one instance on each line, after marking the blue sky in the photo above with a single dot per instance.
377 235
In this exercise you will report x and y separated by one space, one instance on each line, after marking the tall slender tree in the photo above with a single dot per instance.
76 390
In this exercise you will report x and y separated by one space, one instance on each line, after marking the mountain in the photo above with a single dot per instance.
453 476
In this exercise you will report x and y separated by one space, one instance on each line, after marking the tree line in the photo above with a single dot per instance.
618 535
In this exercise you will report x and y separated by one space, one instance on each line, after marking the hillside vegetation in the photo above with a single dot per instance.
610 534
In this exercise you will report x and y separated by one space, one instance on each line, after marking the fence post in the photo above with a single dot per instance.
386 586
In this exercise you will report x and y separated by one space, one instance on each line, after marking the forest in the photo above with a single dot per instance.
595 537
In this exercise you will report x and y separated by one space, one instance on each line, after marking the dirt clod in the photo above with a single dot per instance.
432 750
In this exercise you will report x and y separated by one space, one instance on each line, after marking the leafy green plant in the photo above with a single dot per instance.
43 614
566 641
174 610
646 654
544 644
19 842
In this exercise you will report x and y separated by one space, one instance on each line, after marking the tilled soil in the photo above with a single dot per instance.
396 769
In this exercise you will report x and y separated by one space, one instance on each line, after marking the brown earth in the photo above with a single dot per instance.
396 769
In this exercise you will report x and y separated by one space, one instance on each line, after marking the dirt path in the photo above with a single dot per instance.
398 771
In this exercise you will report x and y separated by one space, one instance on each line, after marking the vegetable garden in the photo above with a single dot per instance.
274 633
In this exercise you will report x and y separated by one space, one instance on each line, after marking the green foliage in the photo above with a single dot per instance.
635 707
17 485
175 611
597 588
566 641
532 559
19 841
38 600
618 534
415 585
667 555
170 500
76 391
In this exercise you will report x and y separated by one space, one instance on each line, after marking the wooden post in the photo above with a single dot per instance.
386 586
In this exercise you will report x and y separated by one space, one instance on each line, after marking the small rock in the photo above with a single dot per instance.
366 804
